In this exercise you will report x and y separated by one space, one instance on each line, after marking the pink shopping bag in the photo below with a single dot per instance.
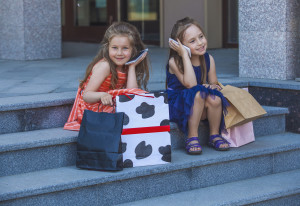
240 135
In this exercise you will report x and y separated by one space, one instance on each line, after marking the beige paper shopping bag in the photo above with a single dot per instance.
243 107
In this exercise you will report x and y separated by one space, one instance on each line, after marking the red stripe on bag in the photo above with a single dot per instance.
141 130
142 95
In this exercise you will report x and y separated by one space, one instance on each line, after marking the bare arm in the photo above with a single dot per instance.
188 78
173 69
100 71
212 74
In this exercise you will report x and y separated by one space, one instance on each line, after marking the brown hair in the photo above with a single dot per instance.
178 32
121 29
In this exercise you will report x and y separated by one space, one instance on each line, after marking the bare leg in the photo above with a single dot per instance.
214 115
194 120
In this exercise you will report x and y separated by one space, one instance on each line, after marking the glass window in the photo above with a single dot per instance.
63 13
142 10
90 12
144 14
233 31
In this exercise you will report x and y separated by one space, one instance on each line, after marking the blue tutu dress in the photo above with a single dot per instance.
181 99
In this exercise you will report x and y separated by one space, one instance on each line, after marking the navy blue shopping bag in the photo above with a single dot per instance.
99 141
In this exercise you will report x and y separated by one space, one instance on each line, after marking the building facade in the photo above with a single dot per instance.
86 20
39 27
268 29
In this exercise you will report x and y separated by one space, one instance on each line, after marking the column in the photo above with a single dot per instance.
269 39
30 29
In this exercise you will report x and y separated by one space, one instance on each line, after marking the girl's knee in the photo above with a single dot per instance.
214 101
198 97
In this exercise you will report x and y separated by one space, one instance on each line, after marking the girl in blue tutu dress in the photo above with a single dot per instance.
192 88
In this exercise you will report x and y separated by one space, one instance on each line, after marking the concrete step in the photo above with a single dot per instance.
36 150
34 112
26 113
51 148
71 186
277 189
271 123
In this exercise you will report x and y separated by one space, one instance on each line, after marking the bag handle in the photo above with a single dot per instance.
221 85
114 106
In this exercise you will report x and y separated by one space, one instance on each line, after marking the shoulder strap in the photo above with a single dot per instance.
207 61
167 68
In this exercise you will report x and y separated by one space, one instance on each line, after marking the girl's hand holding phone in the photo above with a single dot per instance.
139 60
179 47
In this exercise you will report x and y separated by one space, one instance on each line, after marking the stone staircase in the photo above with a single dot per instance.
37 159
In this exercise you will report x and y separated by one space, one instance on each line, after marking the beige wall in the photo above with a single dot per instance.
174 10
213 23
207 12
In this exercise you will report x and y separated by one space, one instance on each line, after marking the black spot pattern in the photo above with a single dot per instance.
165 122
145 110
165 95
124 98
142 151
166 152
124 147
126 119
127 163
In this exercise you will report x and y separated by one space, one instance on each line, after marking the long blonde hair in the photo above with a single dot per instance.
178 32
123 29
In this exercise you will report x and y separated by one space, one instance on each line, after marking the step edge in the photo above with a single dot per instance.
70 138
157 169
271 196
26 144
66 98
237 200
36 101
274 84
272 111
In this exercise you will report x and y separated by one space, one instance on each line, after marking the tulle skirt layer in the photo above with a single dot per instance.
181 103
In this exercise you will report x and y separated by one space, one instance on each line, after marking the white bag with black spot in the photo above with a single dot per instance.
145 138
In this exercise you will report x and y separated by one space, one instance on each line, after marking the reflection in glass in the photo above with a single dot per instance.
142 10
90 12
144 14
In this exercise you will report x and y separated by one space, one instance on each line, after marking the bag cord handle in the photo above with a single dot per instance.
221 85
114 106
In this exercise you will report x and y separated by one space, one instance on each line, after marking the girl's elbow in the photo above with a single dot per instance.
189 85
86 98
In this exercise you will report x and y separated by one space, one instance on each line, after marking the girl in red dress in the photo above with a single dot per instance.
107 76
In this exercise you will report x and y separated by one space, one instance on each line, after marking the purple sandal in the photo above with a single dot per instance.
189 145
216 144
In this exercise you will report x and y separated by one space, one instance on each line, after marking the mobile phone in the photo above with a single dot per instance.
137 57
188 49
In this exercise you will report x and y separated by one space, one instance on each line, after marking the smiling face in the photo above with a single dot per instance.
120 50
195 40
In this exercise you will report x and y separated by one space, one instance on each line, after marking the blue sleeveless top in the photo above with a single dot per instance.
174 84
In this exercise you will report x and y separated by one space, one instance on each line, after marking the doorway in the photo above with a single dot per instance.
87 20
145 15
230 23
